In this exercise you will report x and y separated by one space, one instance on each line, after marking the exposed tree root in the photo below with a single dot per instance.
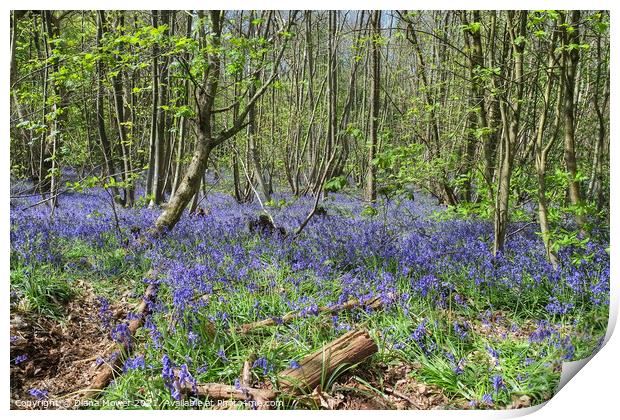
246 372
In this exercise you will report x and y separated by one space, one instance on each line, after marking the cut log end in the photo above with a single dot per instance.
351 348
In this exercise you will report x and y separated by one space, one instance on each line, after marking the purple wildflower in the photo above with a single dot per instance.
498 383
487 399
222 355
105 314
262 363
167 370
192 338
460 329
494 355
21 358
135 363
186 378
120 333
39 394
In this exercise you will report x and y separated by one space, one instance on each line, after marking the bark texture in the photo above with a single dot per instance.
351 348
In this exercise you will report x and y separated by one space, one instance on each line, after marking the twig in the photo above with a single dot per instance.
317 198
402 397
246 371
520 229
247 176
373 303
95 357
45 200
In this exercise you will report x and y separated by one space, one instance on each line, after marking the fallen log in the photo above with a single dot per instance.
106 374
373 303
351 348
217 391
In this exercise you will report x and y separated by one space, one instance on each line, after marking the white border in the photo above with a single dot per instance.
592 395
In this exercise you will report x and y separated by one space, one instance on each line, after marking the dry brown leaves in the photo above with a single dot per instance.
383 388
520 401
62 357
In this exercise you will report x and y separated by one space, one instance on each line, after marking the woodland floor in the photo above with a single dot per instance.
456 329
63 359
62 356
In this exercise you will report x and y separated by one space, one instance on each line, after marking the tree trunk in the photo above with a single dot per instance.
106 147
152 176
478 120
595 187
511 114
119 106
190 184
569 71
371 187
542 151
206 141
255 160
351 348
182 123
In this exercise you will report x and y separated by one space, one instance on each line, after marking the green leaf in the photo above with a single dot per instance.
369 211
335 184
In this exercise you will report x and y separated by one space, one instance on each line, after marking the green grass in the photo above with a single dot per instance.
40 291
281 344
111 271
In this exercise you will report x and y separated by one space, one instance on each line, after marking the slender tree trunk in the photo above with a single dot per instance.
511 114
542 151
255 159
371 188
152 176
479 121
569 71
121 122
332 85
595 187
106 146
182 123
190 184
